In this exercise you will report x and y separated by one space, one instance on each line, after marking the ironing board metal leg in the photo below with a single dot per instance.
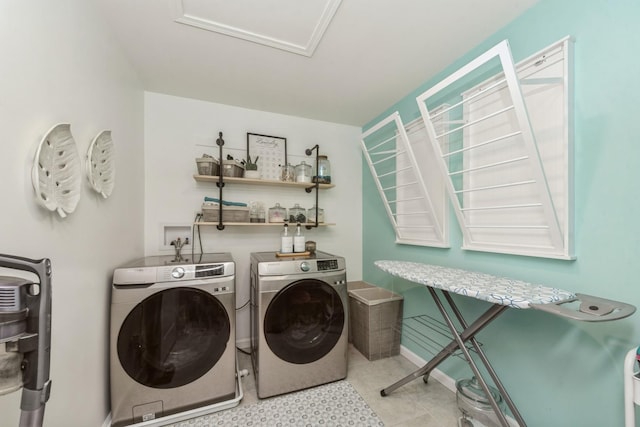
487 364
470 361
447 351
423 371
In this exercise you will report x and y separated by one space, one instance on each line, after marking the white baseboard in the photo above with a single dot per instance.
436 374
107 421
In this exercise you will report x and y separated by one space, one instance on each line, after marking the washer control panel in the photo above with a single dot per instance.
209 270
327 264
190 271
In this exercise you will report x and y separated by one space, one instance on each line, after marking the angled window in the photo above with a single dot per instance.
508 162
412 192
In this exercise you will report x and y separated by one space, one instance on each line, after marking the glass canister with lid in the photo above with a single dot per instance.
288 173
323 175
277 213
297 214
311 214
303 172
256 212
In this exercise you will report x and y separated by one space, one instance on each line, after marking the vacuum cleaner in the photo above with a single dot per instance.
25 330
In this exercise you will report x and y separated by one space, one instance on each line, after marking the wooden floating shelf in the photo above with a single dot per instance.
214 179
264 224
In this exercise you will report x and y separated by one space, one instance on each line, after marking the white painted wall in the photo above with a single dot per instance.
177 130
60 64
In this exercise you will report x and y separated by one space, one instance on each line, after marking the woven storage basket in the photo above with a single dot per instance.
211 213
208 166
232 169
376 321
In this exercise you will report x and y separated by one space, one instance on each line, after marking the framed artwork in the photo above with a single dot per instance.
271 152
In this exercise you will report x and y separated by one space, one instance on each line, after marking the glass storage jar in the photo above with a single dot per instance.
288 173
277 213
303 172
323 176
256 212
297 214
311 214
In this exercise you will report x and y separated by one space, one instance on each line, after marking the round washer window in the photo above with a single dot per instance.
304 321
173 337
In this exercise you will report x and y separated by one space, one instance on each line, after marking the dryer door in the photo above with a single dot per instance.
304 321
173 337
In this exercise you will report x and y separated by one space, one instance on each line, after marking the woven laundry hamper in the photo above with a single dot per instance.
376 321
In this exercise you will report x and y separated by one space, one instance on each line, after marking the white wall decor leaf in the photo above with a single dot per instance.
56 171
100 164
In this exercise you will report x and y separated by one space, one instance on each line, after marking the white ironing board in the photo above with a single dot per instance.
503 293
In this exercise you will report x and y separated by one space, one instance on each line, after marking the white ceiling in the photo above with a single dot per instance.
372 53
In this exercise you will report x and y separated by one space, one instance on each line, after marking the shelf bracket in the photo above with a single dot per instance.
220 183
316 186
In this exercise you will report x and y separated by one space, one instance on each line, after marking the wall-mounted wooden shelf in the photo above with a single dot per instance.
264 224
214 179
220 181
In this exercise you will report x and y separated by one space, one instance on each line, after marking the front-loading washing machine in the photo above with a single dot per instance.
172 340
299 321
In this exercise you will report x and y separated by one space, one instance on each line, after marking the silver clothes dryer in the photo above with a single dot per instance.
299 321
172 340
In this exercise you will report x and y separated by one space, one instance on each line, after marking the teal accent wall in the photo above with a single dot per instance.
559 372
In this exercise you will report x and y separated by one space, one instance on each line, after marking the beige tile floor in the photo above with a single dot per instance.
414 404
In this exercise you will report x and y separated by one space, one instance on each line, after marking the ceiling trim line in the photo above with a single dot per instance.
331 6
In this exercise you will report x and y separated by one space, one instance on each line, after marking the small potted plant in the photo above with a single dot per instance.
251 168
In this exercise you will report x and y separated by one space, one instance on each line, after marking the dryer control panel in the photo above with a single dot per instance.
327 264
268 265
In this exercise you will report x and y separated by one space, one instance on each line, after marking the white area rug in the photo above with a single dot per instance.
334 404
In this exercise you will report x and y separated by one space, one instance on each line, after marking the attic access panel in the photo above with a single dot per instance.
290 25
412 192
508 164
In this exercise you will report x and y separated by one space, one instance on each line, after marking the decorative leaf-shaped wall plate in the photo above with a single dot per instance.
56 171
100 164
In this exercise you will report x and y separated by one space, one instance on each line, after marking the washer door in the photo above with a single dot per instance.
173 337
304 321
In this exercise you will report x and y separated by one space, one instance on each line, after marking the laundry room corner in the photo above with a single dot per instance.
179 130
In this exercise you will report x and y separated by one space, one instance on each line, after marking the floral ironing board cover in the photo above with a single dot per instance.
494 289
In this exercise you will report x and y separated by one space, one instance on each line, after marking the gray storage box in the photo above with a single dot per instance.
376 321
207 166
233 169
211 213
